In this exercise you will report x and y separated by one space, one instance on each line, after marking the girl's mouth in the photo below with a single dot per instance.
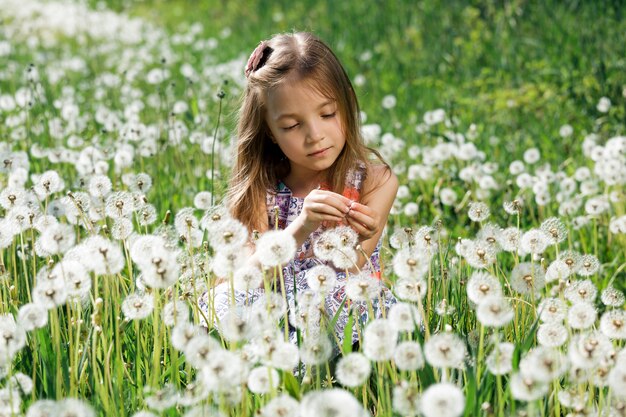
321 152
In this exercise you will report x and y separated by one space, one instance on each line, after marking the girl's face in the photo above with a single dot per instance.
306 126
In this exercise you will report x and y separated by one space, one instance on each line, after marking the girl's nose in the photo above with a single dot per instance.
314 133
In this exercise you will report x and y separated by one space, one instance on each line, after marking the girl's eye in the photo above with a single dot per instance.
290 127
328 116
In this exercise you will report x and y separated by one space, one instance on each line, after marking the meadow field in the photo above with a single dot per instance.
505 248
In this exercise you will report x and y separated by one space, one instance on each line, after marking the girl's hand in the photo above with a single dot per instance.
323 206
364 220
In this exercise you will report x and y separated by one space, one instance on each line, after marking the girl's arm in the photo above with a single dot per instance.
369 217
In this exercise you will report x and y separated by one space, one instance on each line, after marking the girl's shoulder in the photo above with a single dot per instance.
378 179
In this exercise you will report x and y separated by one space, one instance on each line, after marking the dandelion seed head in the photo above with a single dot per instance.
263 380
119 204
57 239
552 310
42 408
494 311
77 280
183 333
588 350
613 324
331 402
137 306
445 350
353 370
534 241
410 263
175 312
48 183
247 278
160 399
500 360
408 356
478 211
524 388
557 270
202 200
185 221
552 334
272 306
12 338
228 234
589 265
527 278
426 241
199 349
11 197
408 289
276 248
316 350
583 291
490 233
213 217
442 400
141 183
284 356
401 237
99 186
32 316
404 317
42 222
514 207
554 228
612 297
406 399
226 262
581 316
49 293
146 215
281 406
379 340
482 285
122 228
362 287
543 364
321 278
481 254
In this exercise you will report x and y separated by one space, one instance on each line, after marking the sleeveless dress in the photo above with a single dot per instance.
283 208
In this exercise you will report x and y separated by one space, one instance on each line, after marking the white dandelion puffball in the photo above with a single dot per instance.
445 350
353 370
263 379
282 405
494 311
379 340
408 356
500 360
442 400
331 403
275 248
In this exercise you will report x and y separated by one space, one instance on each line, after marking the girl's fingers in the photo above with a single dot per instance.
325 209
359 228
364 219
361 208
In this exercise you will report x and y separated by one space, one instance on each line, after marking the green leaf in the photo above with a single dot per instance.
347 335
291 385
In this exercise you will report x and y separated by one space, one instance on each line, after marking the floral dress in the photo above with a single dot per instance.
284 208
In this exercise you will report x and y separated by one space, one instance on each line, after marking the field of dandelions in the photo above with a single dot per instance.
505 247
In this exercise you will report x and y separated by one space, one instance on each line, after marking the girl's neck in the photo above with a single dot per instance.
301 187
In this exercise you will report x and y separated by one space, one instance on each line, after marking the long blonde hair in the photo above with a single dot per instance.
260 163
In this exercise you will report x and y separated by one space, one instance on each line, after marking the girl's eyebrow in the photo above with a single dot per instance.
322 105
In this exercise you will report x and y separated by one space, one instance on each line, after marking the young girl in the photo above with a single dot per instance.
301 165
